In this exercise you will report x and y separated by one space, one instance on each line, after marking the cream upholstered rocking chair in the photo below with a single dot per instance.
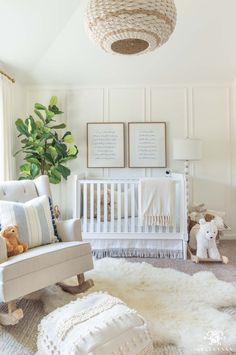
45 265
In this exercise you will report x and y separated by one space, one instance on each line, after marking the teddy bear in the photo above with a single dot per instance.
195 214
206 240
11 235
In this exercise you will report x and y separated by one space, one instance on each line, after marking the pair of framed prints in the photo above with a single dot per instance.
146 145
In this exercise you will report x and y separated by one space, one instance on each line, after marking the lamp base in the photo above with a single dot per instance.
186 172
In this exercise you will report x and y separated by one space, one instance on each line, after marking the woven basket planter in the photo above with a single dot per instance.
130 27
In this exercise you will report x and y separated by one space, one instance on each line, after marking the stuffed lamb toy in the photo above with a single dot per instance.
206 240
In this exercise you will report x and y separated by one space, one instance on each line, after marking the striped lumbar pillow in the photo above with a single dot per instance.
33 219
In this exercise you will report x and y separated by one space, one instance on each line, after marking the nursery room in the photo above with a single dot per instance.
118 177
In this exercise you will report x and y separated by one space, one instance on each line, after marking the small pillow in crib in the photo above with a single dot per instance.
97 324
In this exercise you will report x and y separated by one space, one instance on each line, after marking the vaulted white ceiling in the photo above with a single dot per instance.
44 41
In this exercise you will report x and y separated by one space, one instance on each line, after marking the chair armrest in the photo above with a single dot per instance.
3 250
69 230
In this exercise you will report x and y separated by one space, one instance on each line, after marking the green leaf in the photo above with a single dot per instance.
59 126
54 176
54 180
65 172
25 142
55 172
50 114
49 158
19 122
25 168
73 150
17 152
32 121
39 124
53 101
38 113
21 127
38 106
34 170
61 149
56 110
25 178
68 138
52 151
29 128
33 152
33 160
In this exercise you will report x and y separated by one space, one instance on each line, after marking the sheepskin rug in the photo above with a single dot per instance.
180 309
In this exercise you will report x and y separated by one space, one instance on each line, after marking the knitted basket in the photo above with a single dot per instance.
130 27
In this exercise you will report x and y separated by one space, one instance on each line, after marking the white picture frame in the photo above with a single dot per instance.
105 145
147 144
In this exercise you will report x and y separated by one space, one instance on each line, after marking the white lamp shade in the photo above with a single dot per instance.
187 149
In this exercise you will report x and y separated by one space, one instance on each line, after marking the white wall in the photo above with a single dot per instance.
203 111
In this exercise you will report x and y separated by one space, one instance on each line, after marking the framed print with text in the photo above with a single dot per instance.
147 144
105 145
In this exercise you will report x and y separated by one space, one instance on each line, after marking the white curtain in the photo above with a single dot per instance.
6 129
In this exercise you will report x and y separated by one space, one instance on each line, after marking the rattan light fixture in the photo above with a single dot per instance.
130 26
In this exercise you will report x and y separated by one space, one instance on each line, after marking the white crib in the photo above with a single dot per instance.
110 219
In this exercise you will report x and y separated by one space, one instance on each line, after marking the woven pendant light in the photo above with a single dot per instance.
130 26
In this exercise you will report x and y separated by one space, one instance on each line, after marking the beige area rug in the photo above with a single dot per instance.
184 312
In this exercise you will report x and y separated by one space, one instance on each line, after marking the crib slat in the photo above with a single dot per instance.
119 207
105 208
153 228
126 207
77 199
85 208
112 207
98 207
146 227
91 207
132 208
139 209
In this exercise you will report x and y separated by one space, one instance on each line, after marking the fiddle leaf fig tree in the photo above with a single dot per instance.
45 149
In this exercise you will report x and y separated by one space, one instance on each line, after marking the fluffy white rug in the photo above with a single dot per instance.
180 309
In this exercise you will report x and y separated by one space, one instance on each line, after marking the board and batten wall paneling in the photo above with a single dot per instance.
170 105
126 105
233 156
211 122
83 106
204 112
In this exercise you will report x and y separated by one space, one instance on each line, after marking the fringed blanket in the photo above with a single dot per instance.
157 201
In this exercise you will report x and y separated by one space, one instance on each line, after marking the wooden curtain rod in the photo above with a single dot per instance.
7 76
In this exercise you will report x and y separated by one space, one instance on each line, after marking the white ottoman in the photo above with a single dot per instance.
96 324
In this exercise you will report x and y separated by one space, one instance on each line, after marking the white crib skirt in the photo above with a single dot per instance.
142 248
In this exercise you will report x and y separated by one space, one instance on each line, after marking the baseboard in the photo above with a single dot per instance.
228 237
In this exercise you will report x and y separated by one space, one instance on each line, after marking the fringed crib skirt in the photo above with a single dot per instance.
141 248
137 253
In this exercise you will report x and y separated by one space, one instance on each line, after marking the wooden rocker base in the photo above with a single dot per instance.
82 286
197 260
13 316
